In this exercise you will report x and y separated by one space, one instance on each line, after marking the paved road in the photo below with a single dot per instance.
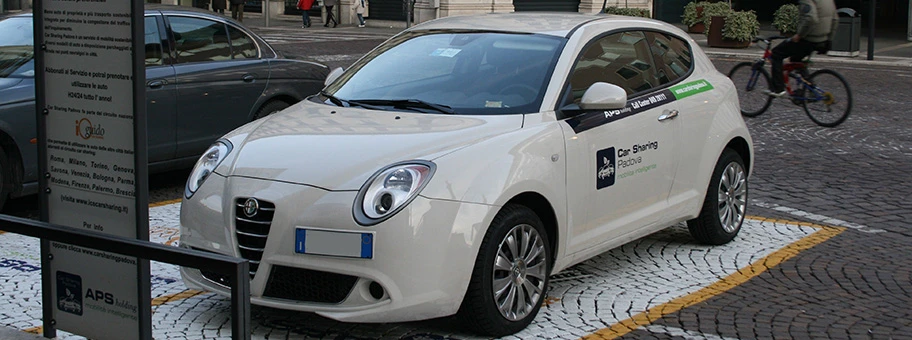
853 284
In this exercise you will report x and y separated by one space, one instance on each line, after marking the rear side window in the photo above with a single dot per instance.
199 40
672 56
623 59
242 45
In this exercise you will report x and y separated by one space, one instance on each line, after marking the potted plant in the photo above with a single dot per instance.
633 12
741 27
714 9
693 16
785 19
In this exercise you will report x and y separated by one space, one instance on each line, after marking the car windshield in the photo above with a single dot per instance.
16 49
451 73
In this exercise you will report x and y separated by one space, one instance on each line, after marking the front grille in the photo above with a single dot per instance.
308 285
253 231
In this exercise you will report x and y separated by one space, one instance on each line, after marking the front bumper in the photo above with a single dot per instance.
422 257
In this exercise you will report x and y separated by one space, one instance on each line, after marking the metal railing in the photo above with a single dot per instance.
235 268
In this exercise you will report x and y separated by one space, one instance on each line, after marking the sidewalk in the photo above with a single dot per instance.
890 48
9 333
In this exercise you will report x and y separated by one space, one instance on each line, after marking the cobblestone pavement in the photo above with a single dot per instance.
661 272
795 281
857 284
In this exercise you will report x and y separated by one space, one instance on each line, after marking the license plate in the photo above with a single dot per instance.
334 243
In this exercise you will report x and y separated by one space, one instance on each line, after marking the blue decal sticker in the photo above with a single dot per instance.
300 237
367 246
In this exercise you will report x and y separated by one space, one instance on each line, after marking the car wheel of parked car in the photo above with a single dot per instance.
269 108
6 179
725 203
510 276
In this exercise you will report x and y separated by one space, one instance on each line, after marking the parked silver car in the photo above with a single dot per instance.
205 75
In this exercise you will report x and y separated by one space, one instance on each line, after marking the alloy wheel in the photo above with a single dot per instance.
520 272
732 196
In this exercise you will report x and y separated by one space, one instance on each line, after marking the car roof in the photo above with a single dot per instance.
557 24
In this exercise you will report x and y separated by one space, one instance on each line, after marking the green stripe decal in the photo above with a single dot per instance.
691 88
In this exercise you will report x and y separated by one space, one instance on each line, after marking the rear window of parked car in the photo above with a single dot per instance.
199 40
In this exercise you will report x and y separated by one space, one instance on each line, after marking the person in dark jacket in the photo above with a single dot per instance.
329 4
237 10
816 27
219 6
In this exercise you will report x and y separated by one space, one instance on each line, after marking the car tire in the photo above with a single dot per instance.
485 309
725 204
269 108
6 178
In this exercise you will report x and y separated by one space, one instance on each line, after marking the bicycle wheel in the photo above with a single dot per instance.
752 87
828 100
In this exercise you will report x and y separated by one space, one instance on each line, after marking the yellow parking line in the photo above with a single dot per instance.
174 297
741 276
158 204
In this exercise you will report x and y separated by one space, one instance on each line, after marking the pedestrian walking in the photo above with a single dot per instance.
219 6
359 6
329 4
237 10
304 6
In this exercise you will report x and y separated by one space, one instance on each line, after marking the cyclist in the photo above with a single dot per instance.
815 32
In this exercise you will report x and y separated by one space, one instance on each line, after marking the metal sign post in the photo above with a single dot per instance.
909 18
266 11
871 29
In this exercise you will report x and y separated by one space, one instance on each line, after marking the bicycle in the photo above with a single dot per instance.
825 95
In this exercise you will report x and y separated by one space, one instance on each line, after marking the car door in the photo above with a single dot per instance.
695 102
161 92
218 84
621 162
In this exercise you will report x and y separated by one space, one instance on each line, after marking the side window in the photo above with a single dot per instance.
153 42
242 46
622 59
198 40
672 56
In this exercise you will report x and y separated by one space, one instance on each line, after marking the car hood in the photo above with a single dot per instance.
339 148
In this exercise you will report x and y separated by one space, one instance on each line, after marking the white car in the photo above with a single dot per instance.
456 166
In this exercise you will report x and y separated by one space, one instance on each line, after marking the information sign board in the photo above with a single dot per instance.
86 94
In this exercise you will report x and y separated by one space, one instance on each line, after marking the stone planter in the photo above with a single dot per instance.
699 27
715 39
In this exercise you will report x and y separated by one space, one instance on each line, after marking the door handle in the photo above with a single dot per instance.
248 78
668 115
156 84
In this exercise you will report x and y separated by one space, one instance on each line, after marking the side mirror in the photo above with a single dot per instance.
333 75
603 96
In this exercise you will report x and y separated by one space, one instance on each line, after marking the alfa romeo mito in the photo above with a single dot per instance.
454 167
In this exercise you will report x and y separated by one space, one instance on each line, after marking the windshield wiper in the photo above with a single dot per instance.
404 104
333 99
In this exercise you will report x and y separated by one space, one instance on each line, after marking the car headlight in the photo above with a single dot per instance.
206 165
391 189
